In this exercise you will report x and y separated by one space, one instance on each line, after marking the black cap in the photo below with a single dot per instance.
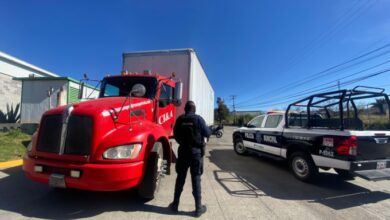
190 107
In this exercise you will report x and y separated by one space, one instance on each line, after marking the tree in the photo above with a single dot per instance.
222 112
380 105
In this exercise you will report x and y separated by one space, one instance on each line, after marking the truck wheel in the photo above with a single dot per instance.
345 174
239 148
153 173
219 134
303 167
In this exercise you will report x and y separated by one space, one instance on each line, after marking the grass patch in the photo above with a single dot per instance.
11 146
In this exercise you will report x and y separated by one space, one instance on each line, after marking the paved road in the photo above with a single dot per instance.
234 187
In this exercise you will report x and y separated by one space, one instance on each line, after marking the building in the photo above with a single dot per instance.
35 89
10 89
40 94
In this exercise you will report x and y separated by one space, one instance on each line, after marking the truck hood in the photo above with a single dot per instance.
102 105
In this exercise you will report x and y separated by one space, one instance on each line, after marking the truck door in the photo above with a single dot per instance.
271 134
166 109
251 134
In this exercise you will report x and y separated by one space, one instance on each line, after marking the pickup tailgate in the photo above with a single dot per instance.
373 155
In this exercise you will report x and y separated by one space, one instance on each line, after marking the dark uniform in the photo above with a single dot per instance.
190 130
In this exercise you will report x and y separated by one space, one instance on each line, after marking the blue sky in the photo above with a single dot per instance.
252 49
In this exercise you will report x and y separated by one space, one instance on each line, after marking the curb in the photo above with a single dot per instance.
12 163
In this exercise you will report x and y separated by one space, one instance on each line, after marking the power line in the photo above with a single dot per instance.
324 84
322 73
345 20
352 81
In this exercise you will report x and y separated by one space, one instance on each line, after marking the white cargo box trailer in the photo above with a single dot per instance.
188 69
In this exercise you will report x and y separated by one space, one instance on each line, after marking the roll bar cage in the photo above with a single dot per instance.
341 96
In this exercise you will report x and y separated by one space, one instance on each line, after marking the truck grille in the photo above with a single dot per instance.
50 134
78 135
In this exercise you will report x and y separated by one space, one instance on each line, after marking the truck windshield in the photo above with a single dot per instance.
121 86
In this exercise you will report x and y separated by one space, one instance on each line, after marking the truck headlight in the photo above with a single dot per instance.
130 151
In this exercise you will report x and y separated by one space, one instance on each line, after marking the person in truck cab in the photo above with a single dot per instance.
190 132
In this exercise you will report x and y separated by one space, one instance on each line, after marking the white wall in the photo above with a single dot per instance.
201 91
10 67
10 91
35 100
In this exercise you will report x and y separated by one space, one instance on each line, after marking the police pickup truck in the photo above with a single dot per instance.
325 130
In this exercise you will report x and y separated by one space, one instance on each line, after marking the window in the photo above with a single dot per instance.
166 92
273 121
122 85
166 95
111 90
256 122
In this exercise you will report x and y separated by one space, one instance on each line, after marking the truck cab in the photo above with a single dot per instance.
116 142
326 130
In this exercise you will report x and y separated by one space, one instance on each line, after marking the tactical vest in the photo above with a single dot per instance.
187 132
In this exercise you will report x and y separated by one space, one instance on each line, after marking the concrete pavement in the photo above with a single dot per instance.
234 187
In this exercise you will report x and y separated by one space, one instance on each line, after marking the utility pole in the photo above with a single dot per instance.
233 97
338 84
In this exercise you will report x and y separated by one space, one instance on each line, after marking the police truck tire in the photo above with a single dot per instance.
303 167
219 134
153 173
239 148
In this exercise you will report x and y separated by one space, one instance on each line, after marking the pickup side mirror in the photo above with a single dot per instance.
177 97
81 91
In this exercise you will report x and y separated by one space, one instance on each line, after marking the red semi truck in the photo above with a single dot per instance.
116 142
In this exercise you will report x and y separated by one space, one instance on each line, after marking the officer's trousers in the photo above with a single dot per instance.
189 158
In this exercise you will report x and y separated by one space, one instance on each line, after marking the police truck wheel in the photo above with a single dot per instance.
239 148
303 167
153 173
219 134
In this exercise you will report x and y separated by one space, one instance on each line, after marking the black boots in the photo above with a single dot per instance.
174 207
199 208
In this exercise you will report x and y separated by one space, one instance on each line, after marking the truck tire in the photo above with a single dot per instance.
153 173
303 167
345 174
219 134
239 148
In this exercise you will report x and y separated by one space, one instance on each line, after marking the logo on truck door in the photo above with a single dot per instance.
165 117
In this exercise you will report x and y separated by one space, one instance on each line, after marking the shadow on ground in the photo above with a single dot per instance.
20 195
265 177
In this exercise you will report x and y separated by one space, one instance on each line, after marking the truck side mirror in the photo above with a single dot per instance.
81 91
178 93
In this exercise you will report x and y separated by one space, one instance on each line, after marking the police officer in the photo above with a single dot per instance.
190 132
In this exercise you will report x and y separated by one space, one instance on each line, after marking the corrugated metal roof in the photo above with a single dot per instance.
53 78
26 65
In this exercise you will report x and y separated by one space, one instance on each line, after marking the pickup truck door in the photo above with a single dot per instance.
268 137
271 134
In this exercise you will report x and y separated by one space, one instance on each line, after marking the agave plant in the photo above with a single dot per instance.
11 116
